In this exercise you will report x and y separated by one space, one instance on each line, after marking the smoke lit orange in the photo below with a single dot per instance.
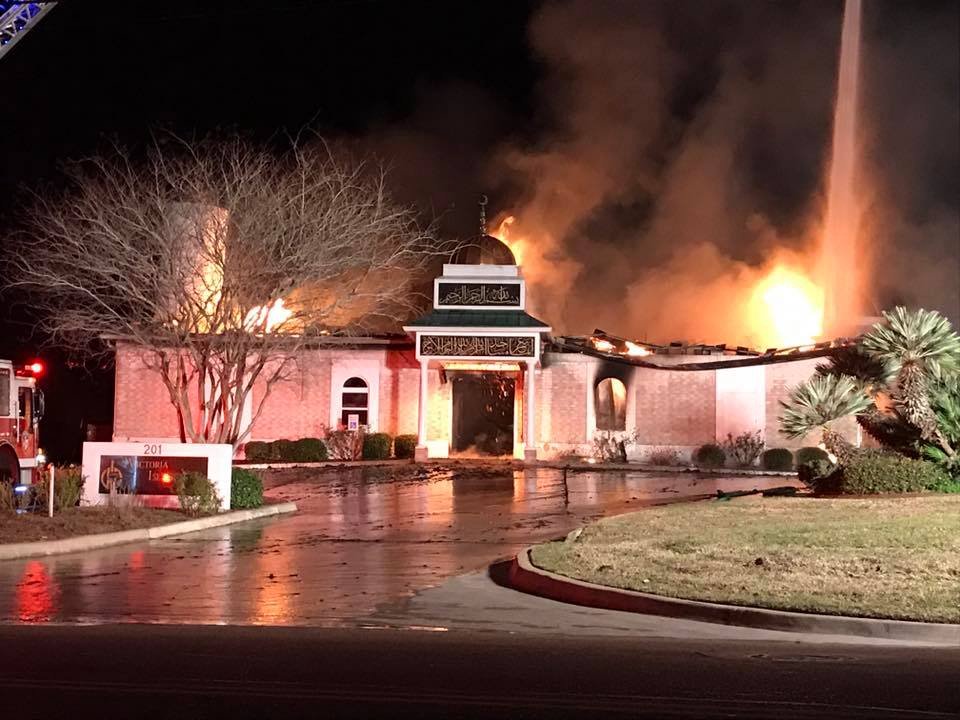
786 308
502 233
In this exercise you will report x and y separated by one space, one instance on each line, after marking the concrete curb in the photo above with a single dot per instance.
526 577
678 469
513 463
14 551
323 464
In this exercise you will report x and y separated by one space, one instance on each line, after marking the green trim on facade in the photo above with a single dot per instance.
478 319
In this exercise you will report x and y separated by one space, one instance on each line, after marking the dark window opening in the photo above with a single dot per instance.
611 404
4 392
26 405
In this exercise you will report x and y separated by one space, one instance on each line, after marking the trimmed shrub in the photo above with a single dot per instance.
814 473
949 484
345 444
710 455
281 450
777 459
745 448
808 454
663 456
376 446
257 451
67 488
246 489
308 450
871 472
404 446
196 493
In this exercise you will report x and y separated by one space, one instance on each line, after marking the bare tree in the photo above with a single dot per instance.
220 261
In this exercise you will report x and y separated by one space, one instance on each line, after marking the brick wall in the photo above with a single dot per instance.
675 408
297 406
741 400
400 393
562 399
142 408
671 408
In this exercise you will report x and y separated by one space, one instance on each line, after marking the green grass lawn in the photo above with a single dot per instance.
885 558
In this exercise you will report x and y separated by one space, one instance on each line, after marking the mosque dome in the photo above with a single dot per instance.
483 250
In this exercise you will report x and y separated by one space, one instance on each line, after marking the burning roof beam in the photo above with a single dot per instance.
611 347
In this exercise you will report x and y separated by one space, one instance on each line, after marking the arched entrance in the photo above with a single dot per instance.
483 413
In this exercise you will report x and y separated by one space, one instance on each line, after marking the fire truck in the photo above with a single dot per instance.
21 407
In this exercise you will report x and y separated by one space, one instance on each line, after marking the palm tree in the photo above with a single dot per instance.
921 347
945 401
853 360
820 401
883 423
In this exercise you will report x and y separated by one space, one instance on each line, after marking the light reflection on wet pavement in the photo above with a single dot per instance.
360 540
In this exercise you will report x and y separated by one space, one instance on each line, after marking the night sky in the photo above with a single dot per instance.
506 98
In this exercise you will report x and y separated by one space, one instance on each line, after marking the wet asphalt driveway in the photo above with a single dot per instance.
363 539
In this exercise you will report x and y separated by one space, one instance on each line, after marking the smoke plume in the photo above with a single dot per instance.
684 157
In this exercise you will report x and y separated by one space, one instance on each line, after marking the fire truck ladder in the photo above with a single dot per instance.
17 17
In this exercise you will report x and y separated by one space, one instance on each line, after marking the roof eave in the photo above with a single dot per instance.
479 328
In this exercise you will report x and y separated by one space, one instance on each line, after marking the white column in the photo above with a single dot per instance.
529 411
421 451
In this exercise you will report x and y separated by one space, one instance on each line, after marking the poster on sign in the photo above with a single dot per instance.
146 474
148 470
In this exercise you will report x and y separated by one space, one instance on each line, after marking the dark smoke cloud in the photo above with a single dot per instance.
688 148
912 113
680 148
665 212
435 157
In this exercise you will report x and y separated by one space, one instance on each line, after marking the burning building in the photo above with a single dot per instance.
480 375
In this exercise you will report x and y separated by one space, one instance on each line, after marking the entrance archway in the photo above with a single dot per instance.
483 413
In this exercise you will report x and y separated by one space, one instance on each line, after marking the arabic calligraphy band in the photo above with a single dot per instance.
477 346
479 294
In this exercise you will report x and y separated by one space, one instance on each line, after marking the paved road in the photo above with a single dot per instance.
199 672
363 539
411 623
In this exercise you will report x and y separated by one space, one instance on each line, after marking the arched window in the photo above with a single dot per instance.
354 400
610 398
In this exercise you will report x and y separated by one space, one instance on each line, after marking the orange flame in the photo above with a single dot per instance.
786 308
267 317
636 350
516 244
777 305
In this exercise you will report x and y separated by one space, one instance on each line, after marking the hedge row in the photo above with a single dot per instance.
302 450
341 445
871 471
712 455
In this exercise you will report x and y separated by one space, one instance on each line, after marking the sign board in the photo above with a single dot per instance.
479 294
148 470
353 422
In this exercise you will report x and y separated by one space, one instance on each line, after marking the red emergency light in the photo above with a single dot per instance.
35 369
